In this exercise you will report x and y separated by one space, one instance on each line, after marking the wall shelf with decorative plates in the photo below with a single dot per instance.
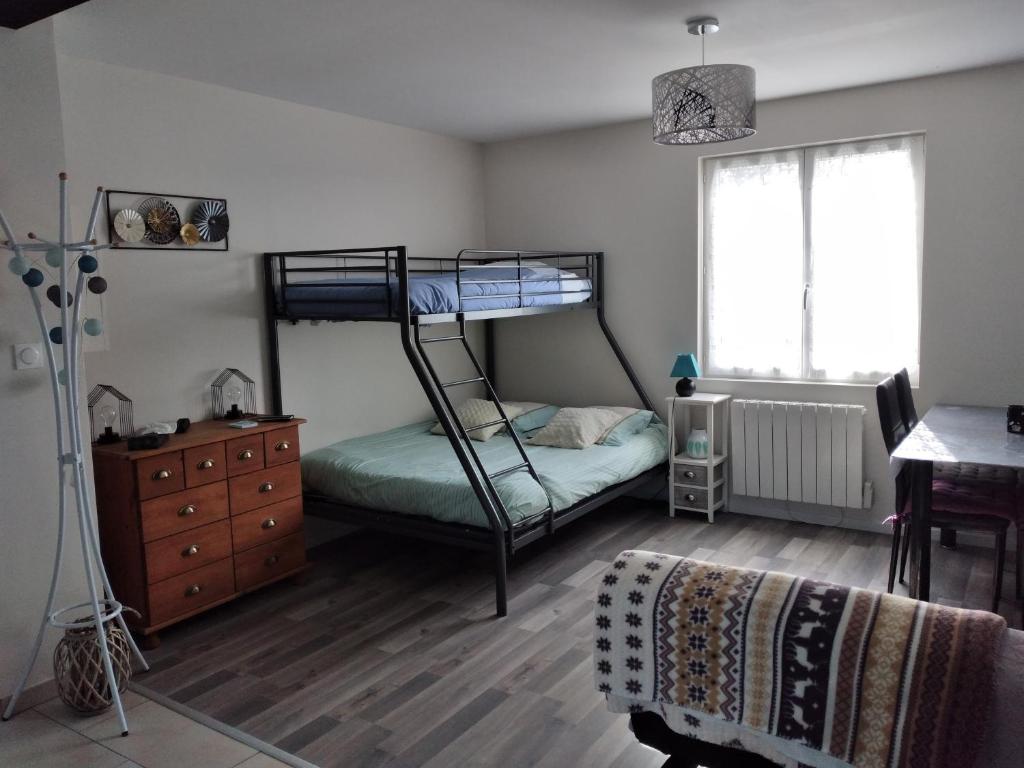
155 222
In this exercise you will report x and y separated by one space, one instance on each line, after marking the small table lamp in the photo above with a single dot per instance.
685 367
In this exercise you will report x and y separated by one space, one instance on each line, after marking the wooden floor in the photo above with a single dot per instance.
389 655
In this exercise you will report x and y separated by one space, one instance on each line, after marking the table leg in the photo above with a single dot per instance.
921 530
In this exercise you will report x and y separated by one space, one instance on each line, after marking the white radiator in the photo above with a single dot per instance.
810 452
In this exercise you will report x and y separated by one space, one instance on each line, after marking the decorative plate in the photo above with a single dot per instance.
211 219
129 226
162 220
189 234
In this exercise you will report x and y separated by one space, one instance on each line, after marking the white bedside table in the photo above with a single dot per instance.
698 485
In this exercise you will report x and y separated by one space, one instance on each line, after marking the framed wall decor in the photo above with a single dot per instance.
150 221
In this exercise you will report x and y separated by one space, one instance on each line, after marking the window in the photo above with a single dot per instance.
812 261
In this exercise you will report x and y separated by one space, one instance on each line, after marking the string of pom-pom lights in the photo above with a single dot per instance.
33 261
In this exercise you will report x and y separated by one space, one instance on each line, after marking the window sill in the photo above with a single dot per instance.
799 382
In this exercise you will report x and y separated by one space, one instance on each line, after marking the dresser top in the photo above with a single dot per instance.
200 433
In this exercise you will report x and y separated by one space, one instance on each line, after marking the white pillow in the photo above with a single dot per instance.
474 411
577 427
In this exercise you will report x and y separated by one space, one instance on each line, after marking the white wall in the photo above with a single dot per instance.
32 155
295 178
613 189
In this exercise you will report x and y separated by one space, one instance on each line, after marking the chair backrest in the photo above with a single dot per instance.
906 398
889 417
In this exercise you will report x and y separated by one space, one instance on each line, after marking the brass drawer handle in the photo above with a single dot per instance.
690 497
689 474
245 455
162 474
266 487
189 551
195 589
283 445
268 524
188 509
272 560
206 464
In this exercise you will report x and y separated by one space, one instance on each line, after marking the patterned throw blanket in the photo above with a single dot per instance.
799 671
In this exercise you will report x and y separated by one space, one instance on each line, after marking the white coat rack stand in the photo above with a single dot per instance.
62 255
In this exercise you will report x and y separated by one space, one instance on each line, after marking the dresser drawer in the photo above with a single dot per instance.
268 561
245 454
177 512
190 591
690 474
268 486
161 474
266 524
204 464
281 446
187 551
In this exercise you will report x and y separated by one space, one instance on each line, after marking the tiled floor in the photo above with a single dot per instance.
52 736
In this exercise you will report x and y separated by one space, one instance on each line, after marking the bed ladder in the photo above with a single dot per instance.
488 476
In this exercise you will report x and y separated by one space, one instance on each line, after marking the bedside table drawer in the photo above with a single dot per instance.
161 474
251 529
281 446
260 489
205 464
177 512
245 454
269 561
187 551
190 591
689 474
696 498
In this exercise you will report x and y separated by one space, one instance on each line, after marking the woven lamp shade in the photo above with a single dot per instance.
704 105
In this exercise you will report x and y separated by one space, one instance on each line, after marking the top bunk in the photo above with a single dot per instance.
385 284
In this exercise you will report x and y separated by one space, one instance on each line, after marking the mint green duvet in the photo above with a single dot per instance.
410 470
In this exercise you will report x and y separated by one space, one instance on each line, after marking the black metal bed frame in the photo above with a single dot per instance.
389 268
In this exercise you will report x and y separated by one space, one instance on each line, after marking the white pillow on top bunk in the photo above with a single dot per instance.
473 411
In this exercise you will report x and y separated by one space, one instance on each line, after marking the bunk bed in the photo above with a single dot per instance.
385 284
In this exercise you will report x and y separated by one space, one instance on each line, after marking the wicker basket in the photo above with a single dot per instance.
78 667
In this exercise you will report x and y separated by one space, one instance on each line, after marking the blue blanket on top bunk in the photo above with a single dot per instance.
438 294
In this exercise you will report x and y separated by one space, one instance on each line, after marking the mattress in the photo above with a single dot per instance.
437 294
413 471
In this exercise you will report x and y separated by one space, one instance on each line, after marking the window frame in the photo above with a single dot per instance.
703 341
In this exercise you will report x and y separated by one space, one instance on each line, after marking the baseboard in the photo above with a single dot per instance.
32 696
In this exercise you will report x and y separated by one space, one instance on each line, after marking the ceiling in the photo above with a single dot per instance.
495 69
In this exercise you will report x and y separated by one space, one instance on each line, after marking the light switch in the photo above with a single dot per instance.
27 356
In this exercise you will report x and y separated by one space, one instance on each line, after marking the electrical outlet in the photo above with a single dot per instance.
27 356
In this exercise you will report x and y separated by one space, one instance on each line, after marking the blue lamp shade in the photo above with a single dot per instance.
686 367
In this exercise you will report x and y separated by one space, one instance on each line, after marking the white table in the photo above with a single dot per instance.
698 485
950 433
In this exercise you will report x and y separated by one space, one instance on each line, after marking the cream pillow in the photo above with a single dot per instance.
576 427
474 411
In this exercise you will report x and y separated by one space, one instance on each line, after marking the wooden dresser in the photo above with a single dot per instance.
212 514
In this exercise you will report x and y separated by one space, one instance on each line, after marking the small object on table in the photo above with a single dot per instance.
1015 419
698 483
273 417
147 441
183 425
697 444
244 424
109 405
233 395
686 366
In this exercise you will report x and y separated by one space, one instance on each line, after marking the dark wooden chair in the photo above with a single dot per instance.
963 497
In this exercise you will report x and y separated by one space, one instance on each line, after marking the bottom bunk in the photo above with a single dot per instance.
412 471
409 481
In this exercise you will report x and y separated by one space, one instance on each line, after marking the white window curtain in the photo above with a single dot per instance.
812 261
